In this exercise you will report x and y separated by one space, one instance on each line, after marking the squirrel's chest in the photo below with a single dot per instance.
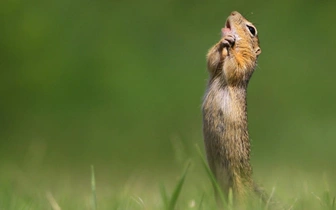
216 111
217 103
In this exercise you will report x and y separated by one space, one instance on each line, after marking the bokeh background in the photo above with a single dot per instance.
119 84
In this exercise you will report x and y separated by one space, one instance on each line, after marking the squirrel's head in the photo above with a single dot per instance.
245 32
245 48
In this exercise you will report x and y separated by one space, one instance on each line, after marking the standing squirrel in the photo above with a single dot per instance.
231 63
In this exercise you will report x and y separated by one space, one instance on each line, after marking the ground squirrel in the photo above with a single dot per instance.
230 63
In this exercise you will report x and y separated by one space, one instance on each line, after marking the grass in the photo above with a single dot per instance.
192 189
181 195
93 188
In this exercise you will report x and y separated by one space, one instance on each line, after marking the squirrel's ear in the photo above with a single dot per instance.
258 51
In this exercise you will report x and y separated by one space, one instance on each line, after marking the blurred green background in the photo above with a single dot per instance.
119 84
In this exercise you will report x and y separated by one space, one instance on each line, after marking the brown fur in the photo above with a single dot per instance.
231 63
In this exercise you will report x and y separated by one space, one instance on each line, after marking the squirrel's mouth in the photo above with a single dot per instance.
227 24
227 28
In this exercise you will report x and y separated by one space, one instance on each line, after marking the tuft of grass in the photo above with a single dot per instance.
326 201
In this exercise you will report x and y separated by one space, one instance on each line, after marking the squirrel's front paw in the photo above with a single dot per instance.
228 40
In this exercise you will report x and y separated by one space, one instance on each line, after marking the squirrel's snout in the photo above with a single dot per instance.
234 13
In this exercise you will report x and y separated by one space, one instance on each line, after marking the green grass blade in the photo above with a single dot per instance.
212 178
164 195
93 189
201 202
230 197
178 189
52 201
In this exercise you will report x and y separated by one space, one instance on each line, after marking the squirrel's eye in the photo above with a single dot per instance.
252 30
